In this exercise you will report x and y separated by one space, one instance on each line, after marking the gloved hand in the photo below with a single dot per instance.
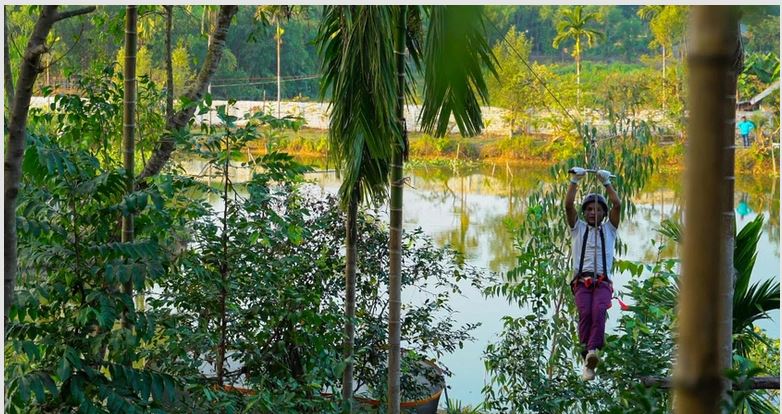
604 176
576 174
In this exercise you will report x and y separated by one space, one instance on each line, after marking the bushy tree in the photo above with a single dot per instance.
516 89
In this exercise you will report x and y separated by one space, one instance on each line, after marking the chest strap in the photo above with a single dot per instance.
583 252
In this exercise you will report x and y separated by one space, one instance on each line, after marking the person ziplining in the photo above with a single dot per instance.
591 284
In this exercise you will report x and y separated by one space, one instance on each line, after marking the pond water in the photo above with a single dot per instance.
470 208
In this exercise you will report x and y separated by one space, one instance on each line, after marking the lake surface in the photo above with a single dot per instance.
470 209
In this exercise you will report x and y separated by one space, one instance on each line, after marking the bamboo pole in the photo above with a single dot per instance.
129 130
698 379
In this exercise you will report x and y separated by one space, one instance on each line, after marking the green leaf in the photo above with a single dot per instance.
64 369
37 387
157 386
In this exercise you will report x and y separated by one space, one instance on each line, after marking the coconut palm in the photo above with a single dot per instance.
575 25
363 48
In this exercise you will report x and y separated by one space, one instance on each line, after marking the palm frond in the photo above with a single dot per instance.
755 303
745 252
357 53
456 51
671 229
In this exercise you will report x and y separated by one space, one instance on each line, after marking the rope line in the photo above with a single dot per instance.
267 82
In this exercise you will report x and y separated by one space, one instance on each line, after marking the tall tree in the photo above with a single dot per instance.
575 24
195 93
17 127
169 9
649 13
667 24
456 35
698 374
354 44
129 126
275 14
395 213
734 50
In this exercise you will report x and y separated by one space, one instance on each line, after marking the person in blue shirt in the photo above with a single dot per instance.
745 127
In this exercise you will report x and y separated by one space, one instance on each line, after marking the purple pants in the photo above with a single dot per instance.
592 306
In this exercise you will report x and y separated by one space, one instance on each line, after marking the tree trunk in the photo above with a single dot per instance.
195 93
578 74
698 376
169 65
129 130
8 75
28 72
221 347
664 80
350 300
732 46
278 37
395 239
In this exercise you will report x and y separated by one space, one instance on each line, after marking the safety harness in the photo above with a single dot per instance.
594 280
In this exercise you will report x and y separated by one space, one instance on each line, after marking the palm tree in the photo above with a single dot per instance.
574 24
355 47
649 13
275 13
452 60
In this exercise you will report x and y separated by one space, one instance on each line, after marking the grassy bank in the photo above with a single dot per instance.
539 150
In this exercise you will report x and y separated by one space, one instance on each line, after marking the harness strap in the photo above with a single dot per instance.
601 277
583 251
603 245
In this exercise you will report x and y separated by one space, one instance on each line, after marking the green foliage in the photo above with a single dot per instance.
455 32
762 34
91 118
760 70
750 302
266 265
515 88
65 346
363 130
746 400
455 407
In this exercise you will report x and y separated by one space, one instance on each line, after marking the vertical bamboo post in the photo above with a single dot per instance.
698 373
129 128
